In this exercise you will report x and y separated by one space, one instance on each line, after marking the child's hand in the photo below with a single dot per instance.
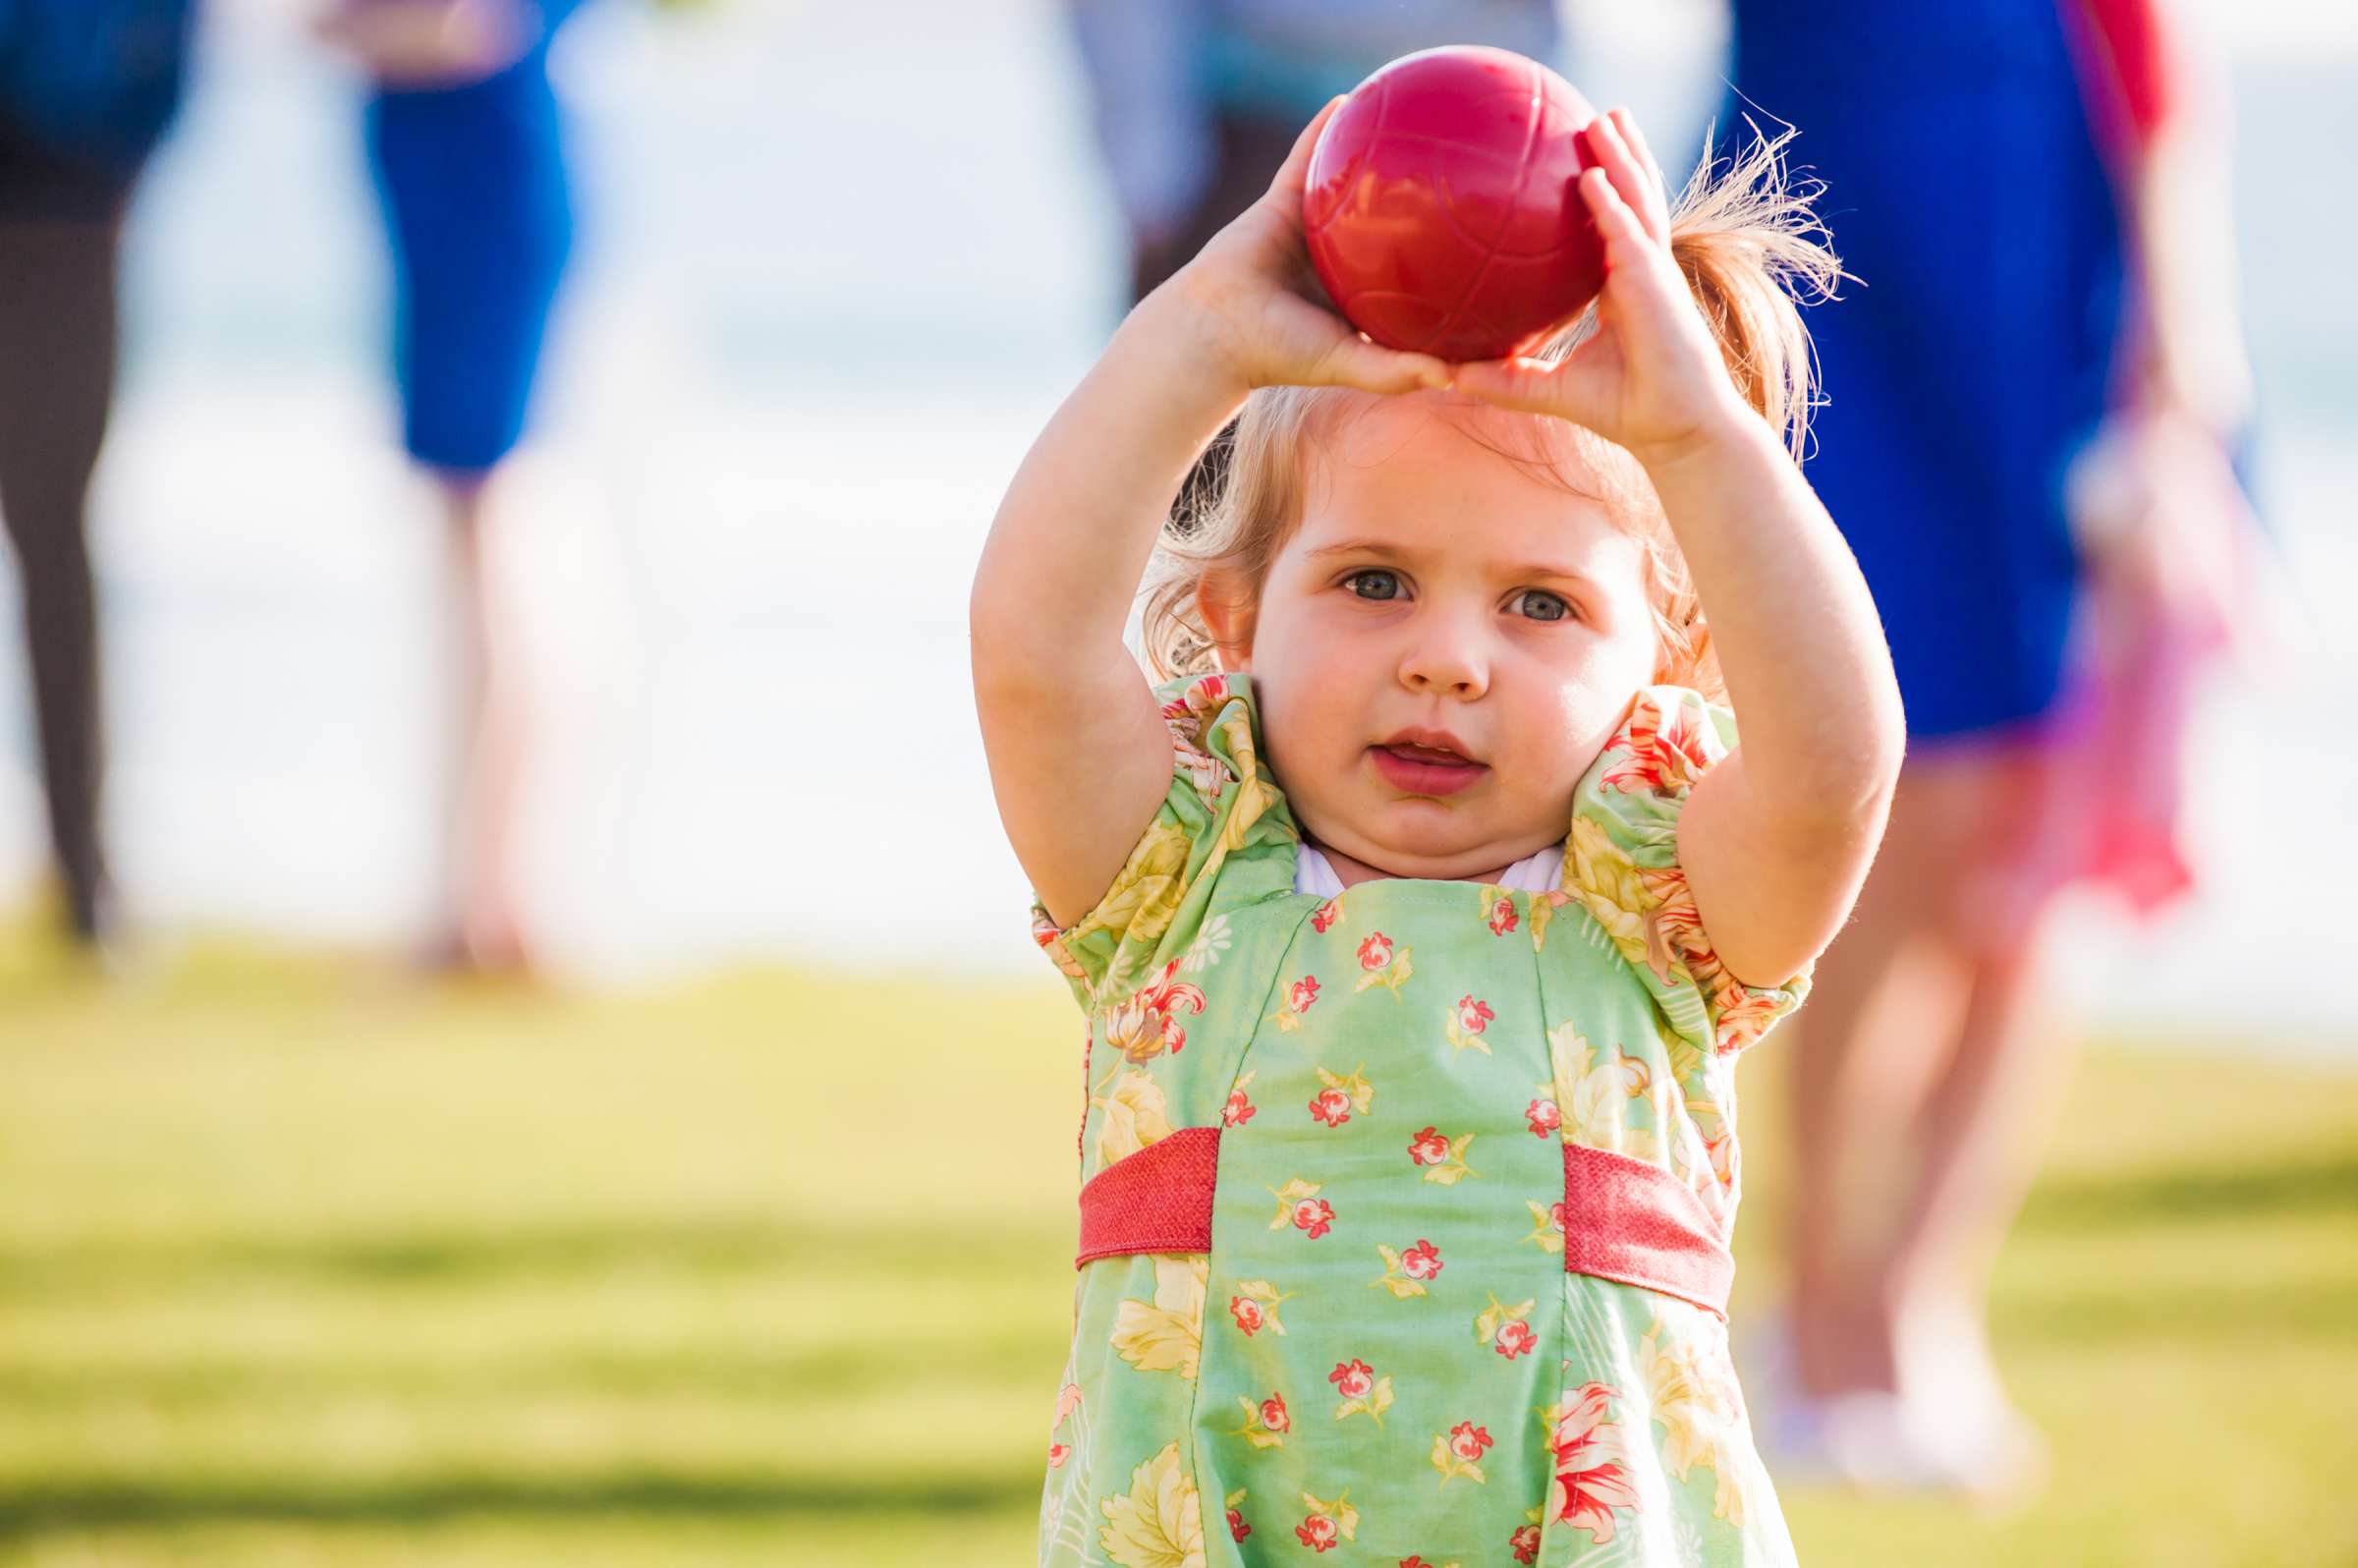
1254 298
1651 378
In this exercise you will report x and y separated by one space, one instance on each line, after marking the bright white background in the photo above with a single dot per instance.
839 262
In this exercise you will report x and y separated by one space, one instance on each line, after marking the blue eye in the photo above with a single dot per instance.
1541 605
1373 584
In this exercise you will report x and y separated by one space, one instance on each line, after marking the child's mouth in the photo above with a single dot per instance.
1424 769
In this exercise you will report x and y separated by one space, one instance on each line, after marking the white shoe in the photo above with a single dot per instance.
1867 1440
1943 1434
1859 1439
1957 1409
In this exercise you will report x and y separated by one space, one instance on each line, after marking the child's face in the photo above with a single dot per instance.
1444 646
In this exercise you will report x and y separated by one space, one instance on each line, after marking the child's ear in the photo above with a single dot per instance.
1227 610
1674 666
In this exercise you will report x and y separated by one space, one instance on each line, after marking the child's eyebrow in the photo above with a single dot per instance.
1366 547
1543 569
1527 571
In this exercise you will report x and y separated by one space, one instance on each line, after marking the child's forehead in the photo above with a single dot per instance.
1434 463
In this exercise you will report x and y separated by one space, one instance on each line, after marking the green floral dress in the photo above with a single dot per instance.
1403 1213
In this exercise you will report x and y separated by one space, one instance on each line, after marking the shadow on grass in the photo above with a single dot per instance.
2309 1183
1020 1360
836 1354
2219 1318
30 1513
971 1252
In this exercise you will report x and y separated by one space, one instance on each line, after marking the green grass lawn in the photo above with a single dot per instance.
297 1266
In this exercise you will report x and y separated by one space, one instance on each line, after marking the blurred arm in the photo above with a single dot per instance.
2161 111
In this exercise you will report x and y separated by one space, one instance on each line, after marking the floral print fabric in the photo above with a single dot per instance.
1380 1354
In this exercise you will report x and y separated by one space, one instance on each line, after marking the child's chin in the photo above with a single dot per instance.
1435 853
1431 825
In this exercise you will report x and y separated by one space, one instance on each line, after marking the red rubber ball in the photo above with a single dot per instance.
1441 209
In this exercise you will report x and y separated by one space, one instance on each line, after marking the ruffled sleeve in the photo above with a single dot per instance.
1223 836
1621 865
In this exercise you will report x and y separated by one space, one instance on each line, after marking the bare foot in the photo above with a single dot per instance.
472 946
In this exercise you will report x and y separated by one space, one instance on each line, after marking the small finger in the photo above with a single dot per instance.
1354 360
1627 124
1372 367
1562 389
1519 383
1614 219
1629 178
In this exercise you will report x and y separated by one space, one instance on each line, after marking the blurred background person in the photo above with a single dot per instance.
1196 103
87 89
2032 199
467 149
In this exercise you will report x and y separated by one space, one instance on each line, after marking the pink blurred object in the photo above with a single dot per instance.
2173 567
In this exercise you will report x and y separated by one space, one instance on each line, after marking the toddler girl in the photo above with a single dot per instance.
1420 912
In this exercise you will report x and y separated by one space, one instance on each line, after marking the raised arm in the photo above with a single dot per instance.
1776 839
1079 757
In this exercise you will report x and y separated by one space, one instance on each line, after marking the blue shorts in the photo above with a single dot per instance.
1972 358
473 185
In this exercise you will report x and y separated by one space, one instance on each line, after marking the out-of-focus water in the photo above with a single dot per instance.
839 263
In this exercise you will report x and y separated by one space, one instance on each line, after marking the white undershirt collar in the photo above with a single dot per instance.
1541 871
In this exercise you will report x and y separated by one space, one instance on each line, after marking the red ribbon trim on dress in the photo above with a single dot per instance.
1155 1201
1630 1220
1624 1219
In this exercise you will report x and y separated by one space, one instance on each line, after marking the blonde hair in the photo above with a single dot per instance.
1747 244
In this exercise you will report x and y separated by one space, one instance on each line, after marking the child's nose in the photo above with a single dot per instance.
1446 657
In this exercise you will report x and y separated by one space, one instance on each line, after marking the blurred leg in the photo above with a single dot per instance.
1979 1136
485 924
57 364
1886 1006
478 210
1922 1096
